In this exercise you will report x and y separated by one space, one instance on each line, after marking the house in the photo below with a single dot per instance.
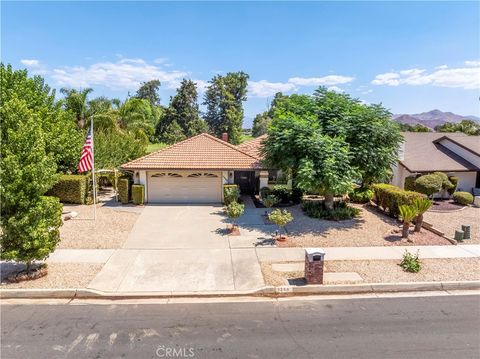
455 154
195 170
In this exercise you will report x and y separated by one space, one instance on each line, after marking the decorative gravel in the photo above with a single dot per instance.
110 230
450 221
61 275
389 271
371 228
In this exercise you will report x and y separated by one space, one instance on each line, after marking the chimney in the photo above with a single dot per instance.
225 137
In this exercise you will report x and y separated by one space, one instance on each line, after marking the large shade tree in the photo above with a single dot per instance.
329 140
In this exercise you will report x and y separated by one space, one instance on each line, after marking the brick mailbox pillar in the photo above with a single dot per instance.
314 261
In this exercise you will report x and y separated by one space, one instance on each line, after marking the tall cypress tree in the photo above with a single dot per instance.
224 100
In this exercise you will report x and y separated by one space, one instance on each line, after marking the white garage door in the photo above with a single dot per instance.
185 187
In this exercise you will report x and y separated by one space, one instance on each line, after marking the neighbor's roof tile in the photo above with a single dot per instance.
253 147
199 152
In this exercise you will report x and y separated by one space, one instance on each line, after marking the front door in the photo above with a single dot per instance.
245 181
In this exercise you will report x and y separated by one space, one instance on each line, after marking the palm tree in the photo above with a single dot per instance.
407 215
421 205
76 101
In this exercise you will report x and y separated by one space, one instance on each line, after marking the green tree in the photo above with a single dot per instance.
149 91
63 141
260 124
76 101
224 100
173 133
139 116
30 222
127 147
468 127
196 127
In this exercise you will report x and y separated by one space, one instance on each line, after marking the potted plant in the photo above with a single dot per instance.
407 215
234 210
281 218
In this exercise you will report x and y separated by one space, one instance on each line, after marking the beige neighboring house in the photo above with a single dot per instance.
455 154
195 170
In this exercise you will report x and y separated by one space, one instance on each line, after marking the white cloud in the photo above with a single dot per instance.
442 76
335 89
123 74
31 62
472 63
265 88
320 81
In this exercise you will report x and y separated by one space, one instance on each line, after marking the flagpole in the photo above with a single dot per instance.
93 177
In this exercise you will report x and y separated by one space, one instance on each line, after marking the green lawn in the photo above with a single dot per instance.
246 138
155 147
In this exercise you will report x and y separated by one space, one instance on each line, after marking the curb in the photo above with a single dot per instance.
268 291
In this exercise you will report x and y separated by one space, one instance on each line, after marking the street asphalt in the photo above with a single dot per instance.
399 327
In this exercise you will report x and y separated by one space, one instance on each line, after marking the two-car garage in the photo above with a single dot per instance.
184 186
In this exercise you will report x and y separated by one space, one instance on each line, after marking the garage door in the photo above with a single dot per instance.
184 187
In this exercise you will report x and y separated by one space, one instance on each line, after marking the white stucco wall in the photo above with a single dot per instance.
399 175
466 180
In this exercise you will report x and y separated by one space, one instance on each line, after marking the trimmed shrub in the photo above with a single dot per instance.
463 197
270 201
361 195
429 184
409 184
231 193
282 192
454 181
446 184
123 185
138 194
265 191
341 211
390 198
71 189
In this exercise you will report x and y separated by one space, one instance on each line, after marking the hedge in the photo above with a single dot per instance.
390 198
454 181
409 184
71 189
138 194
123 185
361 195
463 197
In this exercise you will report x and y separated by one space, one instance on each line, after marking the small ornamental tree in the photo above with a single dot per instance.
280 217
428 184
235 210
30 222
421 205
407 215
269 201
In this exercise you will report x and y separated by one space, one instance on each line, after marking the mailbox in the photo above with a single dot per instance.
314 263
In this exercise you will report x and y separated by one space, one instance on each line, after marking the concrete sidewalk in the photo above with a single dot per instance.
274 254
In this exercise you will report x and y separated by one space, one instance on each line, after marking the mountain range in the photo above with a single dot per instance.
432 118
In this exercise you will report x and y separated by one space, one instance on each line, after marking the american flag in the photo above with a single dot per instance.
86 159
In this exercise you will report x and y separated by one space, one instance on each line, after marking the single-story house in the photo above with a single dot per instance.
195 170
455 154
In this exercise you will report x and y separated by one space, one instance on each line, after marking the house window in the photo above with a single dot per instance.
171 174
196 175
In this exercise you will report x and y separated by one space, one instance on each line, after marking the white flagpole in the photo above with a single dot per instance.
93 176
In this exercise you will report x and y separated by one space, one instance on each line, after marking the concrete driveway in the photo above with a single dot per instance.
184 248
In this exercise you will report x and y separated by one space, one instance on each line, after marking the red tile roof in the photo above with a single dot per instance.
199 152
253 147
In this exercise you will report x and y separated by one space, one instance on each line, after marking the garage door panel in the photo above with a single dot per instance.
184 187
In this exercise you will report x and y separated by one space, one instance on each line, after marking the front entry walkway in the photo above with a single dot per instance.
180 248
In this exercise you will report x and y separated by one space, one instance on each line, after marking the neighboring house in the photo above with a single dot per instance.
196 169
455 154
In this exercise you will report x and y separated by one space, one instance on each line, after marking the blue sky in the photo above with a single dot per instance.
412 57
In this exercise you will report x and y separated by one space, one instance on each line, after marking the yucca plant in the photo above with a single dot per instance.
407 215
421 205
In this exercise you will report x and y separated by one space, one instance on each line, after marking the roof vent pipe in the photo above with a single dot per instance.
225 137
